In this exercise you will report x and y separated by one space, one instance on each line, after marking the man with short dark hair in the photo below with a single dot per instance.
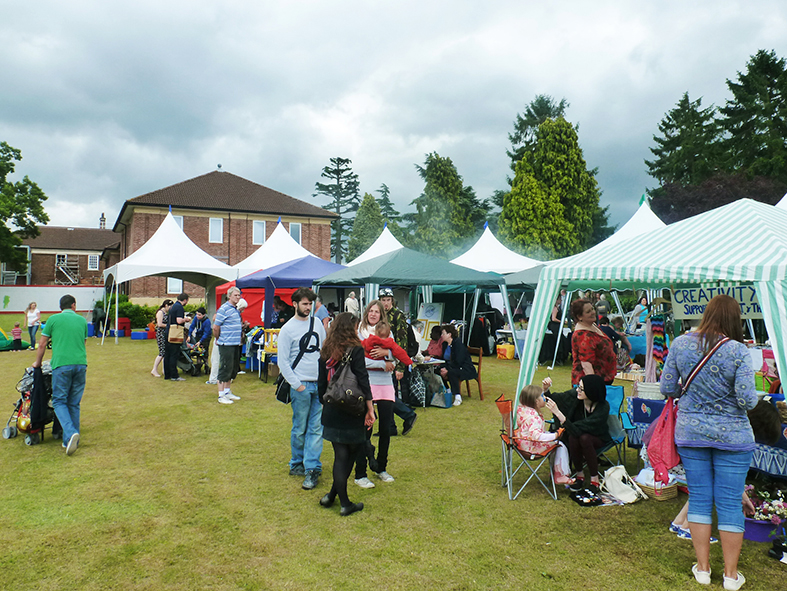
200 331
227 329
68 333
300 339
177 316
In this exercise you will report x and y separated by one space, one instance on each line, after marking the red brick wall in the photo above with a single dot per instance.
43 270
236 246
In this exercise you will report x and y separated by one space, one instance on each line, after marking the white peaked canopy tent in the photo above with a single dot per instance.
169 253
740 243
488 254
279 248
782 204
385 243
643 221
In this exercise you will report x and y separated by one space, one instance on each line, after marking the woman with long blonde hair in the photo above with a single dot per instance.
32 322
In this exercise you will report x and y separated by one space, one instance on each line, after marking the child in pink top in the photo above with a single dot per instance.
532 438
16 334
383 340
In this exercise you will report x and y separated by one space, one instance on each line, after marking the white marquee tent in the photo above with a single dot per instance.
488 254
385 243
169 253
279 248
743 243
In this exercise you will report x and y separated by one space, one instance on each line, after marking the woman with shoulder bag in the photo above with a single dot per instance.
712 431
345 431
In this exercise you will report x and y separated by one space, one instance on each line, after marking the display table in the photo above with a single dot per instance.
642 412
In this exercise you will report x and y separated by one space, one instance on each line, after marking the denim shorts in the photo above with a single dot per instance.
716 477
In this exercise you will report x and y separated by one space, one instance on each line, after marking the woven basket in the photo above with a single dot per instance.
648 390
665 493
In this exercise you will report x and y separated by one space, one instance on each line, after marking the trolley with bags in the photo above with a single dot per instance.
33 410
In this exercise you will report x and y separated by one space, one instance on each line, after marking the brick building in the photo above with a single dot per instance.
66 256
226 216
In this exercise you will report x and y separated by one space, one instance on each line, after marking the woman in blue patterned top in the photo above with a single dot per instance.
712 431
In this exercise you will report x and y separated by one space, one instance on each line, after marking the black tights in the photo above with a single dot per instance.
343 458
584 449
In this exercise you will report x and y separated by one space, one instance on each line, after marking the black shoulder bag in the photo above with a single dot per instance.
343 391
282 385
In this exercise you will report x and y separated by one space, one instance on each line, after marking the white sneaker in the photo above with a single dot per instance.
703 577
224 400
364 482
213 382
73 444
231 396
457 400
385 477
734 584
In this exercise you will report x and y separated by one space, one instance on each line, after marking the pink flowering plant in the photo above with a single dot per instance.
768 506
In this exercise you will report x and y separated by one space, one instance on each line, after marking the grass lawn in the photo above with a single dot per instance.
170 490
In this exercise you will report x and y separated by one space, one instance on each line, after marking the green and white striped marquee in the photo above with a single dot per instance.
744 242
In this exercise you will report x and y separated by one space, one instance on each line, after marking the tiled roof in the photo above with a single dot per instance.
225 191
73 238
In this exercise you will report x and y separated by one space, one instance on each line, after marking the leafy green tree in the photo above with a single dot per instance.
368 224
533 220
21 206
755 119
688 150
444 211
526 125
557 162
342 190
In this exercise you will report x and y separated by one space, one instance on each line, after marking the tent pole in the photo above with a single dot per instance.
617 303
560 330
504 291
106 307
116 311
476 297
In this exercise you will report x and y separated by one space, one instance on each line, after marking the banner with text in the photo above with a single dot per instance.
689 304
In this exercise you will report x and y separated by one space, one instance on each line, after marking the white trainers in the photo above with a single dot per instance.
231 396
73 444
364 482
224 400
457 400
385 477
213 382
734 584
703 577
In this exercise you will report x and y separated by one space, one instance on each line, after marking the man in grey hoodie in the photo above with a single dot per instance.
303 336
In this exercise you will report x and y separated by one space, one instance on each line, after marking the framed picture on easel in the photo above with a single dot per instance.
431 315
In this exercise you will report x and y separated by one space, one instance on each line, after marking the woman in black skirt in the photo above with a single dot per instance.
346 432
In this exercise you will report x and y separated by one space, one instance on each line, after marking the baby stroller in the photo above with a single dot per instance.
33 411
199 359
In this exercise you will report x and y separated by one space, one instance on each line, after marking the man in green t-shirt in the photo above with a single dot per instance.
68 333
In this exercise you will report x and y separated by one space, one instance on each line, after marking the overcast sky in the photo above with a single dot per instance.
108 101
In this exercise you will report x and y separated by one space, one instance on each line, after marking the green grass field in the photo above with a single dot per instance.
170 490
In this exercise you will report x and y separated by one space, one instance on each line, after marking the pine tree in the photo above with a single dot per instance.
755 119
345 200
386 205
368 224
688 151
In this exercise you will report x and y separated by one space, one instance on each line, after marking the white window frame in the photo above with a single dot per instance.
174 285
216 231
93 262
178 220
300 230
258 232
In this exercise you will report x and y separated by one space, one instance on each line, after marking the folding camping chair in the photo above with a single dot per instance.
615 396
534 462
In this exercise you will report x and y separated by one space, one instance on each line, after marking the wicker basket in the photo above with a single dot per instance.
665 492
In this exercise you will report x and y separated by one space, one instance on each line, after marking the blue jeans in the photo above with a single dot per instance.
306 436
68 385
32 330
716 476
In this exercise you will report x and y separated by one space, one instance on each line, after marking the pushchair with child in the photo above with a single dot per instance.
192 359
33 410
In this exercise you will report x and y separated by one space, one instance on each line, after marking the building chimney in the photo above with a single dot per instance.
102 222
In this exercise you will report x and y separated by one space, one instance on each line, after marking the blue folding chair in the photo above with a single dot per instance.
615 396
